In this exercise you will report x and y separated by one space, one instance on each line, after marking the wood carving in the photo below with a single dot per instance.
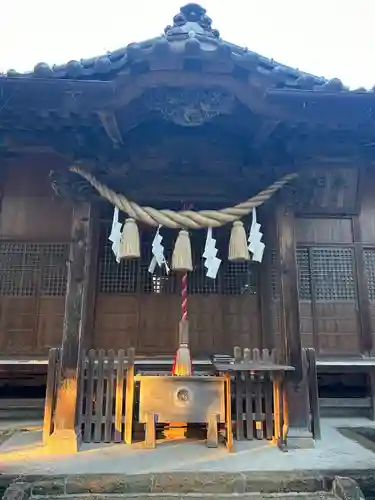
325 191
190 107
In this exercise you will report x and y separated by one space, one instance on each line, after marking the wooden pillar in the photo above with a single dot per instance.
364 314
66 436
92 278
289 303
265 286
297 386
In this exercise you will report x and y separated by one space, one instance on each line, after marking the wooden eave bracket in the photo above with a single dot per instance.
111 127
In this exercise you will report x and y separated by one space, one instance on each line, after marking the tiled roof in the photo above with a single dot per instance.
191 37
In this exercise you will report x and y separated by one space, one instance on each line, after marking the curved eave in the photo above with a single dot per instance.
39 94
347 109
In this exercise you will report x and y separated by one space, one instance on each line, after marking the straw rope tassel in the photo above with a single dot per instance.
129 243
238 250
181 258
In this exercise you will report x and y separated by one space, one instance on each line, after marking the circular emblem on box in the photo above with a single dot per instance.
183 395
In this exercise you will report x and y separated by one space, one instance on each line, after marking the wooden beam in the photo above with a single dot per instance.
336 109
264 133
111 128
66 435
289 302
23 94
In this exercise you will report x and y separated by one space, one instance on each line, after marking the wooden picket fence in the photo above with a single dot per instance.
106 396
259 396
253 404
106 409
106 401
259 405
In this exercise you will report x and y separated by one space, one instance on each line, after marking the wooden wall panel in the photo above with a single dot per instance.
324 230
206 324
116 322
306 321
29 211
149 322
18 325
158 326
337 327
50 323
306 324
242 322
30 326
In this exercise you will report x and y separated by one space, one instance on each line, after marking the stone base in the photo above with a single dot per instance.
64 442
345 488
300 439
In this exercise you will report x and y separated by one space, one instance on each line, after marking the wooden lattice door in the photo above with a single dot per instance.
32 296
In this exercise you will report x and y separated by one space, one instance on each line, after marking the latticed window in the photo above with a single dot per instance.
30 269
369 258
132 276
304 282
333 274
304 274
327 272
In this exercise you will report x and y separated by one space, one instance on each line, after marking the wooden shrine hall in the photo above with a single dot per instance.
184 194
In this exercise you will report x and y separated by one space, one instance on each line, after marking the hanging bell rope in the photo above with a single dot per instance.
185 219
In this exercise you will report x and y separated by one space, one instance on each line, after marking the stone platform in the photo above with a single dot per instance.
23 453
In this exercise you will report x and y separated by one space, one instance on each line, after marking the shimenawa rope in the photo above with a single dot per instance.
188 219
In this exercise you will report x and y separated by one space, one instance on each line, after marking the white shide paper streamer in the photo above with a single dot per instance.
210 254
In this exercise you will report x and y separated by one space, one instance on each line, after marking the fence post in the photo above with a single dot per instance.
50 401
129 397
313 392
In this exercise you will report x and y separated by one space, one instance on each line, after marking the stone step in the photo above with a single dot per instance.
319 495
189 486
21 409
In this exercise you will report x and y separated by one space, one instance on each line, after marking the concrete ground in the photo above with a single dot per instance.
23 453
